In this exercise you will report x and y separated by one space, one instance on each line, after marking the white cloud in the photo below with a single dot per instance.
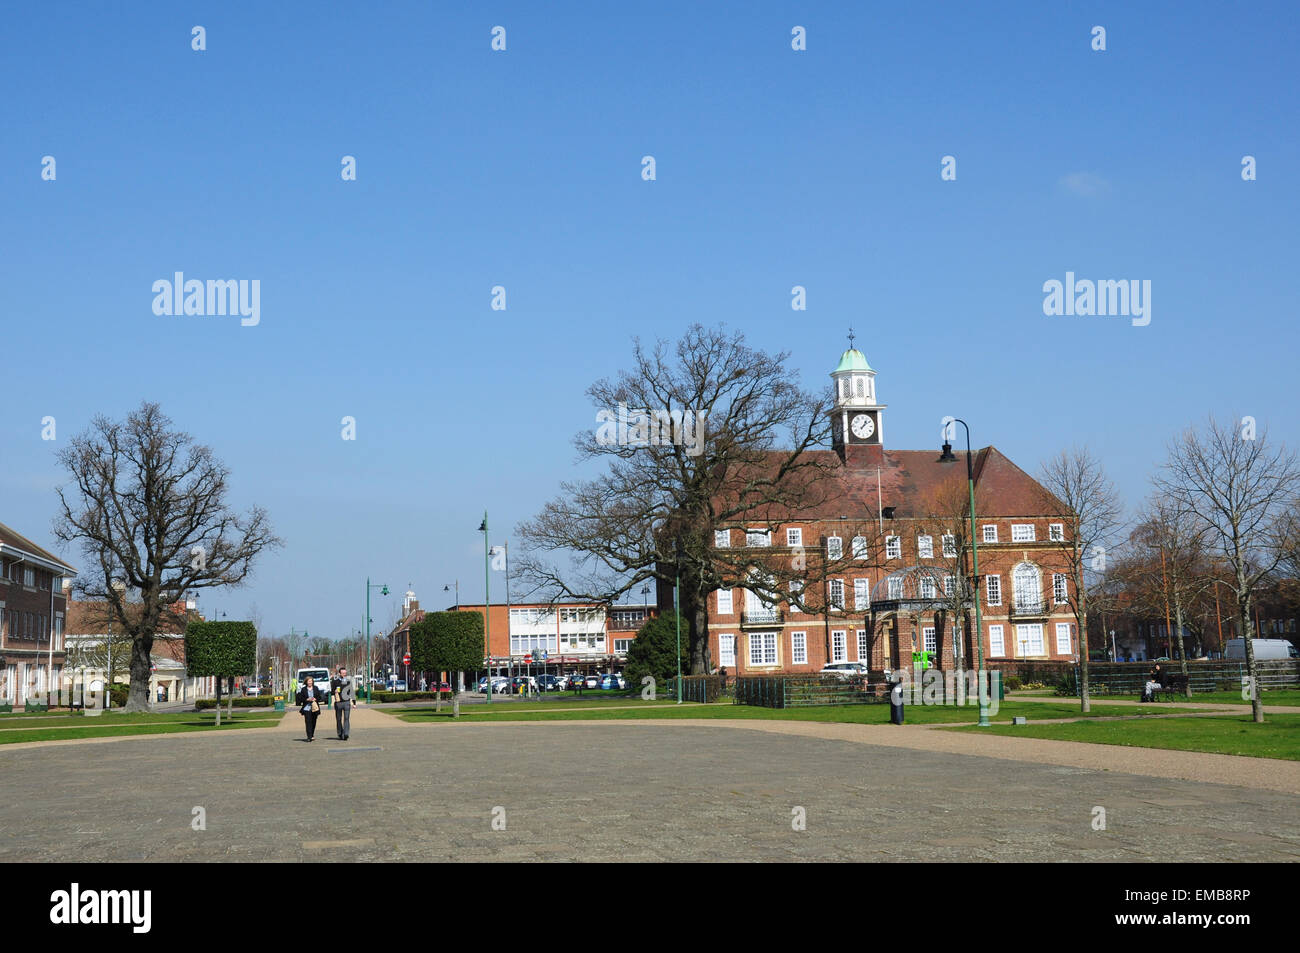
1084 183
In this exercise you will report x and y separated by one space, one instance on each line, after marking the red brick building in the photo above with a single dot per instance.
32 613
892 535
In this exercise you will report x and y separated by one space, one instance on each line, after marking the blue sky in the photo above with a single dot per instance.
522 168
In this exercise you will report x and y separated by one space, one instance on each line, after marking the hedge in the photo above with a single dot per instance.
241 701
409 696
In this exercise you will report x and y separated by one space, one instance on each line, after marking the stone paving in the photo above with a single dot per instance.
635 791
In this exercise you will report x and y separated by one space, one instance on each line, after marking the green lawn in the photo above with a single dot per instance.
1277 737
62 727
624 708
1276 696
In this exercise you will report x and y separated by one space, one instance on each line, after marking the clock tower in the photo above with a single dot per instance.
856 418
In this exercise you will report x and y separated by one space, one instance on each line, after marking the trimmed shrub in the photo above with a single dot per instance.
241 701
1012 683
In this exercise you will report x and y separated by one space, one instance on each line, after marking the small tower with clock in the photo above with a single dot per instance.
856 418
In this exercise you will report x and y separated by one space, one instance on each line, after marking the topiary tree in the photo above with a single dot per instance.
220 650
447 642
654 651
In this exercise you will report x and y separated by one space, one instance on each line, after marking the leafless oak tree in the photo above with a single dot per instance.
1241 490
148 508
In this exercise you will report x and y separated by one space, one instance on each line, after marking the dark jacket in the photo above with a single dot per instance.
342 689
303 697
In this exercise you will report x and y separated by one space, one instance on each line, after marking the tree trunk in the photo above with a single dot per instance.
1178 634
230 703
141 664
1248 634
218 708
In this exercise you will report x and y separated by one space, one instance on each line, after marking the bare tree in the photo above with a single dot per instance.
1242 491
719 439
1084 499
148 508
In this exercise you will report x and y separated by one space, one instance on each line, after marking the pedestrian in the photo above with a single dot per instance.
722 675
344 698
308 699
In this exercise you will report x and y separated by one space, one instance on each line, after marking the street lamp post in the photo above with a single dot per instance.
677 610
975 572
487 605
448 589
383 591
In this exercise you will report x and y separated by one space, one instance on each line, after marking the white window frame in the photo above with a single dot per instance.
895 586
864 650
755 534
839 645
765 644
1064 639
727 650
726 606
997 642
861 593
1023 533
834 547
835 595
860 548
949 546
949 586
794 536
797 587
798 648
927 588
893 547
722 539
993 590
1060 589
990 532
925 547
1025 646
929 640
1056 532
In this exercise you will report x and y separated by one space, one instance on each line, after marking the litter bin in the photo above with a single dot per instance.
896 703
279 703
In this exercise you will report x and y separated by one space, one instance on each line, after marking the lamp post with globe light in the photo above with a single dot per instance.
383 591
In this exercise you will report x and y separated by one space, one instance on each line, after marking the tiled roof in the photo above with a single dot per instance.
10 537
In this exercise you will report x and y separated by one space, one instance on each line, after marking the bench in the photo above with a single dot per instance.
1171 689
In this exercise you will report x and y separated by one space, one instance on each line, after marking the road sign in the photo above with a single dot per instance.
406 659
528 659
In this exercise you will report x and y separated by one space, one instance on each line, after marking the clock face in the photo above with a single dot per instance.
862 426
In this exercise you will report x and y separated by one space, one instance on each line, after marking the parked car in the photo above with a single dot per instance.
591 681
521 683
612 682
252 690
846 670
549 683
500 685
399 685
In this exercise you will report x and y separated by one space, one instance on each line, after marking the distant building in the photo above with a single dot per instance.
33 609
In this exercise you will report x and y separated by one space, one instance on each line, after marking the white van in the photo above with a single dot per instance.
320 677
1264 649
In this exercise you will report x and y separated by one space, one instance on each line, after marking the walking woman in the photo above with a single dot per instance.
309 699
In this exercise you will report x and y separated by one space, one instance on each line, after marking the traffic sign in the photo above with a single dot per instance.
406 659
528 660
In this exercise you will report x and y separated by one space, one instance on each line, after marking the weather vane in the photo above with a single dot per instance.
851 335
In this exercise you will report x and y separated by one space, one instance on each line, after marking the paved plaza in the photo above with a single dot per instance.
627 791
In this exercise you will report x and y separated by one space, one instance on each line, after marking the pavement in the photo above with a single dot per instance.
635 791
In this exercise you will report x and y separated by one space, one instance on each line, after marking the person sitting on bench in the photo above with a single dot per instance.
1155 683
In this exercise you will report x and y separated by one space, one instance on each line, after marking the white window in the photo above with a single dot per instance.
924 547
994 590
948 586
58 631
1030 639
949 545
1056 532
762 648
895 587
758 537
724 602
1022 532
991 533
834 547
835 593
864 650
1062 638
621 646
927 635
798 648
1060 594
796 587
893 547
927 587
29 576
997 648
727 650
839 646
861 594
1028 587
794 537
859 547
722 538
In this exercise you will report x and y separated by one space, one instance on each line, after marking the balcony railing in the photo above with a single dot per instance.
760 615
1029 609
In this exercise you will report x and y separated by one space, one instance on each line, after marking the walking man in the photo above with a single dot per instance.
344 699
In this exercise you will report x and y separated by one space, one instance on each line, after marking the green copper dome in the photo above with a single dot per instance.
852 360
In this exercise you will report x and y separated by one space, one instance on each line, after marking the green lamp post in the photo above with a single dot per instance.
383 591
947 456
487 604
